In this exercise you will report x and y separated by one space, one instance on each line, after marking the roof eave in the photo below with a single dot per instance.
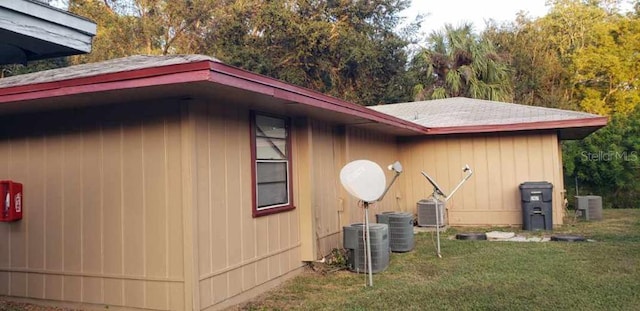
202 71
232 76
590 123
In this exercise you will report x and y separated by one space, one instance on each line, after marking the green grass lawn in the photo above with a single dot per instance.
482 275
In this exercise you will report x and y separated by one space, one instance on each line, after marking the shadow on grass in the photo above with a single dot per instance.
483 275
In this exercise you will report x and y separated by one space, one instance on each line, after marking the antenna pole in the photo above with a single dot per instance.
366 225
435 201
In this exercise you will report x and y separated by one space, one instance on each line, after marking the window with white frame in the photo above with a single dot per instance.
271 156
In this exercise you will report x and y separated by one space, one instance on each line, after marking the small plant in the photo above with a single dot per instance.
337 258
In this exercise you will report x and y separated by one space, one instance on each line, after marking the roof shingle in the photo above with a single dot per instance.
460 111
130 63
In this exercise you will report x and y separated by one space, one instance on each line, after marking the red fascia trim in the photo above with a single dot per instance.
544 125
183 77
178 73
231 76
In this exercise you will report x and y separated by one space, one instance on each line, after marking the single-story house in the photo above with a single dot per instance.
183 183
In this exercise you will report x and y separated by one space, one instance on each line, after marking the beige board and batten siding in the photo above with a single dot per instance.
327 209
238 256
500 162
382 149
331 147
102 219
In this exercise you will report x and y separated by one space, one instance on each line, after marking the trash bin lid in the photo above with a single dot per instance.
536 185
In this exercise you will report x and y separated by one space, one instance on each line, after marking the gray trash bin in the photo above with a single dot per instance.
536 197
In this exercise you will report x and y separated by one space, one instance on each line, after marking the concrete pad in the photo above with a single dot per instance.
498 235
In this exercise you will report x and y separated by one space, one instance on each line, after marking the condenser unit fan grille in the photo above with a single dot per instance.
427 213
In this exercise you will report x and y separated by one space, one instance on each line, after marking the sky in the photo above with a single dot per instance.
441 12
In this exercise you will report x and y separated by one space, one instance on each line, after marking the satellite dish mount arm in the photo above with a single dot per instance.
397 168
439 196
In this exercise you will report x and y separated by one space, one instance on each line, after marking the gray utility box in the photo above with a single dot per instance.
354 243
400 230
536 197
589 207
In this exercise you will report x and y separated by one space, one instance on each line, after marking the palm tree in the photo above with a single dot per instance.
457 62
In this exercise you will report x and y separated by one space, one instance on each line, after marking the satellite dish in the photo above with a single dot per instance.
363 179
434 184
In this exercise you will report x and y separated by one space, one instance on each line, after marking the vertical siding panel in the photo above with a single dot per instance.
5 231
92 288
442 165
262 243
176 296
37 214
338 141
205 151
521 148
559 180
113 212
72 192
536 166
54 250
174 200
220 287
284 240
173 195
333 176
509 190
494 172
202 196
320 153
428 163
451 151
134 225
482 178
274 245
18 163
18 284
113 292
553 171
304 172
548 162
469 191
249 223
5 283
155 213
417 188
206 291
218 191
236 125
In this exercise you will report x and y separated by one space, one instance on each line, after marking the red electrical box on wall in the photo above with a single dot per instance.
10 200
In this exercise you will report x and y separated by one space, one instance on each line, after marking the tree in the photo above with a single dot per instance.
538 76
349 49
607 163
458 62
33 66
598 46
152 27
583 55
